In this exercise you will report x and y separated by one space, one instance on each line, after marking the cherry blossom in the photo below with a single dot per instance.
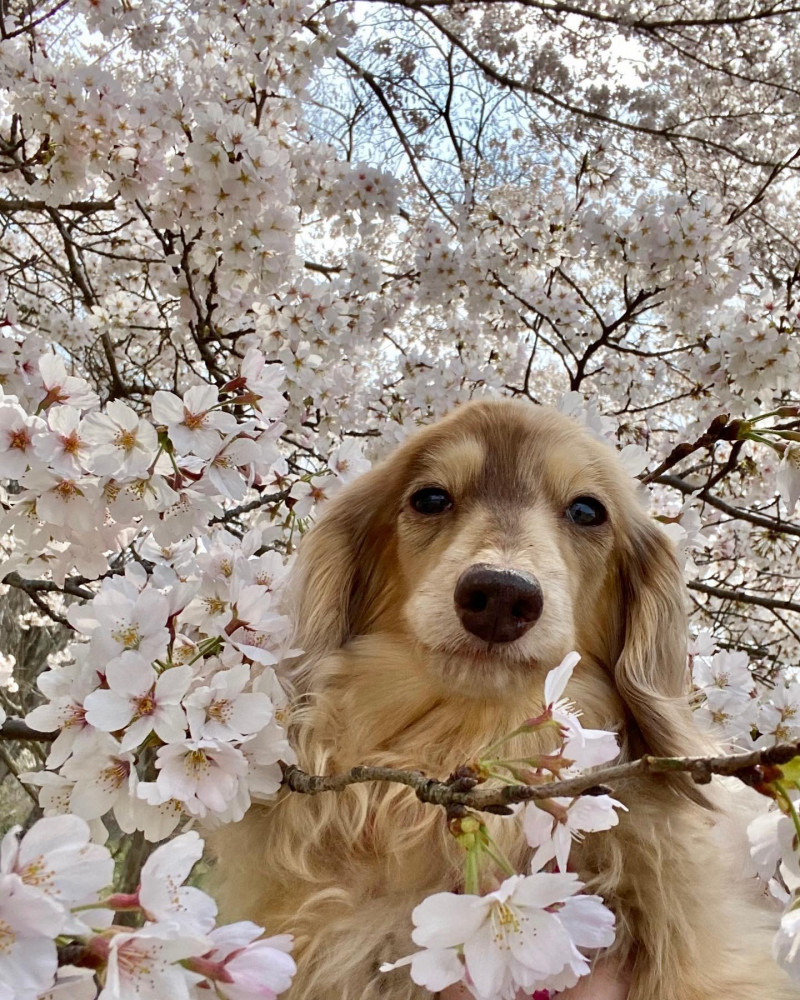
17 434
583 747
56 857
72 984
202 774
307 494
223 710
103 778
122 443
29 923
140 701
788 479
59 387
142 965
348 461
514 938
164 897
123 618
193 424
264 382
63 501
64 450
787 943
64 712
552 828
250 969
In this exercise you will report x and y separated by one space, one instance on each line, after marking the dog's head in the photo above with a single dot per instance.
498 540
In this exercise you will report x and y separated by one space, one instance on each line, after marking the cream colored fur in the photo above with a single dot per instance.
390 677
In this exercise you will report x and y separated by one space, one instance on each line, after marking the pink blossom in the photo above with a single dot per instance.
244 966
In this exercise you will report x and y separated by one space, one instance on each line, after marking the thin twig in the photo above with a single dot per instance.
5 757
743 597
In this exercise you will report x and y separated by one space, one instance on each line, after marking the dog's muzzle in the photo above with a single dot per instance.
497 605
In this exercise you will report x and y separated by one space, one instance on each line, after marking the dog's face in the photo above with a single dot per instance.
495 542
505 540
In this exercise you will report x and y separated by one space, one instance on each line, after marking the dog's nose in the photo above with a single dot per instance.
497 605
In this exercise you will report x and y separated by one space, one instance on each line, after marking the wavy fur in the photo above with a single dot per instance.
390 677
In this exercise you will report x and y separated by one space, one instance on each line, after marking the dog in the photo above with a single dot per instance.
431 600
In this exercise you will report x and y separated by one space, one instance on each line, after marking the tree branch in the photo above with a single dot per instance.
245 508
738 513
743 597
453 792
16 729
28 205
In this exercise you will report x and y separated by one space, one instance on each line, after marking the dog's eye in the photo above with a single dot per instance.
431 500
586 511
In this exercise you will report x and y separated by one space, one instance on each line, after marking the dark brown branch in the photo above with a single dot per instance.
27 28
16 729
645 23
743 597
84 207
245 508
720 429
47 586
738 513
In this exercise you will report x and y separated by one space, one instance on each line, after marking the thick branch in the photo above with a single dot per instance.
28 205
47 586
720 429
645 23
16 729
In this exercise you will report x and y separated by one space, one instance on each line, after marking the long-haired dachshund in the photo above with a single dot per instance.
431 600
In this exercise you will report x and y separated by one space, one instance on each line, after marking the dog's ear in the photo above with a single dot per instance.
341 579
651 671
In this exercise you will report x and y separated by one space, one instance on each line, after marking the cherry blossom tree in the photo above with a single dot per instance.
245 248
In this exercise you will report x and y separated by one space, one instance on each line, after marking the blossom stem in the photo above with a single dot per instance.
471 873
790 807
499 858
542 721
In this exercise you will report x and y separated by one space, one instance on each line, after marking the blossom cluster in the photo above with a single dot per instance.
94 480
171 709
54 890
526 935
257 243
748 714
169 706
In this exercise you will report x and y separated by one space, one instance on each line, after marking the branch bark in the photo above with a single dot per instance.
16 729
743 597
452 793
462 789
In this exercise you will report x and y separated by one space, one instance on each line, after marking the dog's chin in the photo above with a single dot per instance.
477 669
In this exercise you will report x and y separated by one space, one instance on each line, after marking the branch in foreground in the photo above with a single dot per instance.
16 729
461 788
453 792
